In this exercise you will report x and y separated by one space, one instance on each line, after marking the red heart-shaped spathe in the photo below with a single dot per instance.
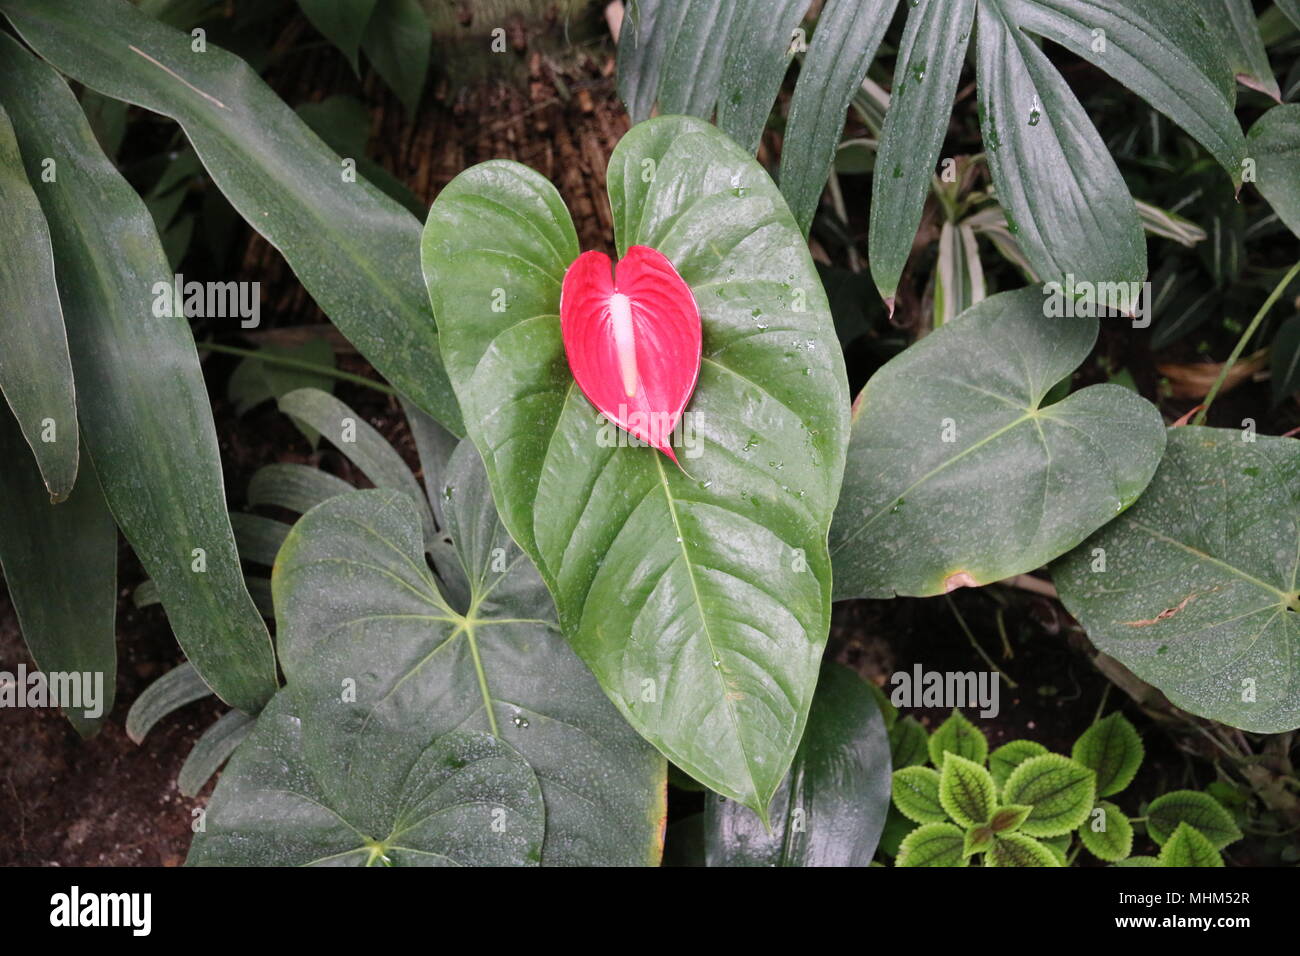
633 339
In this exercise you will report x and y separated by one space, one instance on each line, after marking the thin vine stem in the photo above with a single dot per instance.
1241 342
299 364
975 644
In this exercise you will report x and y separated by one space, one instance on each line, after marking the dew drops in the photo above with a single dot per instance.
1035 113
520 721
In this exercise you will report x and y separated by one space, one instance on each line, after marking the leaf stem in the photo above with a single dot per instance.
299 364
1241 342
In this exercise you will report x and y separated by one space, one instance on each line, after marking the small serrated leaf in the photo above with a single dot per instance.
1010 818
1188 846
1010 756
1060 791
916 794
1113 750
1198 810
933 844
909 743
1107 833
1016 849
978 840
958 735
966 791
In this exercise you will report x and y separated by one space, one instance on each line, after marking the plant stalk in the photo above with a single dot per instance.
1241 342
299 364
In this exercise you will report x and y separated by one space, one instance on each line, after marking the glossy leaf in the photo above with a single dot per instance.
961 476
1061 792
60 568
1156 48
1107 834
378 794
930 59
966 791
341 21
699 602
142 402
933 844
1112 749
916 794
958 735
179 686
1274 144
645 40
1017 849
757 57
356 600
1063 195
1189 847
632 338
1198 595
35 370
830 809
843 46
1011 755
354 249
1169 811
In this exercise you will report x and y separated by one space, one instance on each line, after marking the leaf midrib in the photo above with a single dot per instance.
708 636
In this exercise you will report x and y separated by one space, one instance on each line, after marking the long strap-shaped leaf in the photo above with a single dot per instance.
354 249
925 81
60 565
848 34
143 405
35 370
1155 48
758 55
1064 196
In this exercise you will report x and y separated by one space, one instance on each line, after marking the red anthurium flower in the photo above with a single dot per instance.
633 339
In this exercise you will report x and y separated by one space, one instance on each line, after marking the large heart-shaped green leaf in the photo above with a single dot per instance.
1195 588
369 794
35 370
141 400
959 475
700 601
356 601
830 809
354 249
